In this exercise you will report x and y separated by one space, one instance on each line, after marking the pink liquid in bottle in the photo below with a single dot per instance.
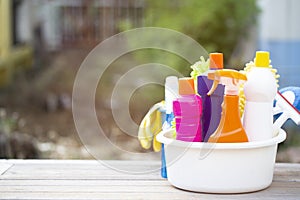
188 111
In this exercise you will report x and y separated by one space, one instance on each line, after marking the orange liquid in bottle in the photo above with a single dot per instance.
230 128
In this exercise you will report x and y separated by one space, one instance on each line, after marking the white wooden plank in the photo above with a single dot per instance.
287 172
289 166
85 174
112 196
276 191
44 166
104 177
4 167
91 170
79 170
91 173
39 179
84 183
90 189
290 188
100 164
75 169
121 169
83 162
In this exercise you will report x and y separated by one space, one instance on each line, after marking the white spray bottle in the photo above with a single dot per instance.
260 91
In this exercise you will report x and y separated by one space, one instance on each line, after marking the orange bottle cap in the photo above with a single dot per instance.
216 61
186 86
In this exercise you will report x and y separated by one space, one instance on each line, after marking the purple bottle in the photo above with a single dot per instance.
211 104
187 111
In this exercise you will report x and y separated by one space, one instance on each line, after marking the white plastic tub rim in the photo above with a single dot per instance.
205 148
216 167
164 137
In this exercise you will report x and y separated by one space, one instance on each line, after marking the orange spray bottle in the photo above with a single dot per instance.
230 128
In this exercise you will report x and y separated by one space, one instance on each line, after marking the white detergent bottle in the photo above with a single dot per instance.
260 91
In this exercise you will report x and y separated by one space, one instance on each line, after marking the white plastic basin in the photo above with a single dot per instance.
220 167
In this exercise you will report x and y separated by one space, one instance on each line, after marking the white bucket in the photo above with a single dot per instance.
220 167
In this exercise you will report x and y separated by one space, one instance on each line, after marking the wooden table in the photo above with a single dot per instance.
86 179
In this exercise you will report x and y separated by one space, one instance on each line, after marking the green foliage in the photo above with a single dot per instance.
7 124
218 25
165 58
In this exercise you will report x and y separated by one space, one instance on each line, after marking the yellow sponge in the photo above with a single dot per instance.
150 126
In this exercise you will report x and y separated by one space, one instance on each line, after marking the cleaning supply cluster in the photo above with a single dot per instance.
208 116
221 117
220 105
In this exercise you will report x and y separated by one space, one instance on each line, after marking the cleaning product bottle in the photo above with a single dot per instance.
211 104
187 110
260 91
230 128
171 92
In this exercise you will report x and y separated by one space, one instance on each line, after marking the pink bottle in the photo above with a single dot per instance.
187 111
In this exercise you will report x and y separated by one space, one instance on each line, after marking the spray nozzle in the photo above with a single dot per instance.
228 77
